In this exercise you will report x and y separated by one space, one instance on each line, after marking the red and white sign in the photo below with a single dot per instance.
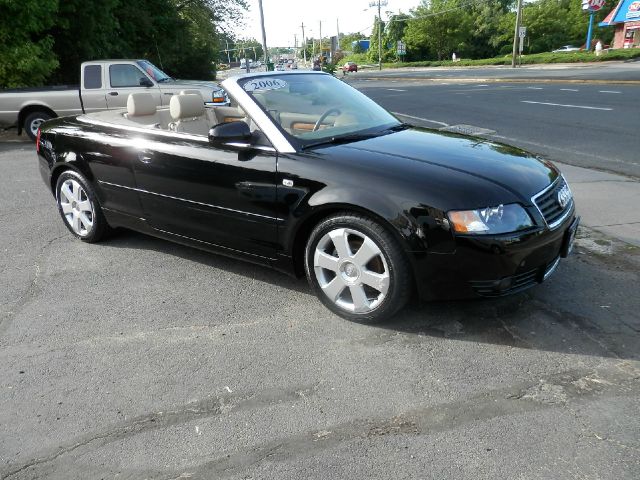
592 5
634 10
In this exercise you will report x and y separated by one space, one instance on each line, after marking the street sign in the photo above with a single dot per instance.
522 32
401 48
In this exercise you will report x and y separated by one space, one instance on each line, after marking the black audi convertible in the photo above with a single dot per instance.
303 173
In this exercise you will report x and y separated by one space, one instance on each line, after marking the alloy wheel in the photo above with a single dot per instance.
35 125
76 207
351 270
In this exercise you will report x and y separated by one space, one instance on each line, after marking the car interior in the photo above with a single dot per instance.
186 113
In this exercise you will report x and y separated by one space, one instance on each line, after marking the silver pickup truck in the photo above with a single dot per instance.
104 85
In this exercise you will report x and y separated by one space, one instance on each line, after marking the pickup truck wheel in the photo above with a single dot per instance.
32 123
357 268
79 207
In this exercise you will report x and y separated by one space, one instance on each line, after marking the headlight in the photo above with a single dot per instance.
218 96
491 220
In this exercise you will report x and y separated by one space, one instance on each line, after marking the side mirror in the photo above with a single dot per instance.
145 82
230 135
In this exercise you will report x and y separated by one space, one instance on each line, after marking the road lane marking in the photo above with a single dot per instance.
568 106
396 89
608 91
421 119
482 85
534 88
569 89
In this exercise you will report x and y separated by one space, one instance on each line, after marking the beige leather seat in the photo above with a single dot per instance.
187 112
142 109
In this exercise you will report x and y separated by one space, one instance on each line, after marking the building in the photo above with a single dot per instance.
625 18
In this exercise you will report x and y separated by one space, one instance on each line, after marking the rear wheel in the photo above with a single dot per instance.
357 268
79 207
32 123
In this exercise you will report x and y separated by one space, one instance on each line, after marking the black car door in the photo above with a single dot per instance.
223 197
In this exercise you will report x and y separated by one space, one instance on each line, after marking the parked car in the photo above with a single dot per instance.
566 48
350 67
104 85
367 207
280 67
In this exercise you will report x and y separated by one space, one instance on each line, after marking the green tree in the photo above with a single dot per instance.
439 28
26 53
488 28
252 49
346 41
387 54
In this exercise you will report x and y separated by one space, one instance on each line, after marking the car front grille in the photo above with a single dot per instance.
496 288
548 202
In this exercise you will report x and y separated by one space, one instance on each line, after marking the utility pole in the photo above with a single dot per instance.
321 42
264 36
516 35
338 30
379 38
228 55
304 44
379 4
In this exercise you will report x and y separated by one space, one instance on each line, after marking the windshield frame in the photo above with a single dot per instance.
301 144
144 64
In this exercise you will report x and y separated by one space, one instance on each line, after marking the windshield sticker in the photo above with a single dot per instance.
267 84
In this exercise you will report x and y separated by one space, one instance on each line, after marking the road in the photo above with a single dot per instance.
586 125
137 358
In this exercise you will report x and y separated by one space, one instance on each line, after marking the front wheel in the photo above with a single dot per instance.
79 207
32 123
357 268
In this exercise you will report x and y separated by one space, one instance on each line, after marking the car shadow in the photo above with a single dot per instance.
570 313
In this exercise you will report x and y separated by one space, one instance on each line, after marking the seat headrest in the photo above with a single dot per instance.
140 104
190 92
186 106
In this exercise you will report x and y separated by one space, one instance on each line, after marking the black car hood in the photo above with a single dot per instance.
449 161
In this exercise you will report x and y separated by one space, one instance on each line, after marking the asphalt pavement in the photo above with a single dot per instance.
139 358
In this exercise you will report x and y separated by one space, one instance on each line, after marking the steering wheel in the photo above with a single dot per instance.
324 116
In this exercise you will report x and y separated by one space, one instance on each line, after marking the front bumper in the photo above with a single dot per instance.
483 266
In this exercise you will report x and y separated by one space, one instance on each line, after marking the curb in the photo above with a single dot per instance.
499 80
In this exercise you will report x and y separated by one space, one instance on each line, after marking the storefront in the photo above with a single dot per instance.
625 18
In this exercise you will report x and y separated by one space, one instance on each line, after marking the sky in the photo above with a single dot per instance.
283 18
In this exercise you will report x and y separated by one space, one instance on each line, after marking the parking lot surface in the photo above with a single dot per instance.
139 358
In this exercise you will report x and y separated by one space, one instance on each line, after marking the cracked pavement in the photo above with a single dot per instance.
137 358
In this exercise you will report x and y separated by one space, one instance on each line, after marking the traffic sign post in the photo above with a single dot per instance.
401 48
522 33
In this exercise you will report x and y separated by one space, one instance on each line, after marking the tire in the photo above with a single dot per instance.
33 122
79 207
357 268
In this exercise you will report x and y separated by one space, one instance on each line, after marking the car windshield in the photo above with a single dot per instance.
153 71
313 108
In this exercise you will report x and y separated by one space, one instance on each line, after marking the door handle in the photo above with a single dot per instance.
113 94
168 93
